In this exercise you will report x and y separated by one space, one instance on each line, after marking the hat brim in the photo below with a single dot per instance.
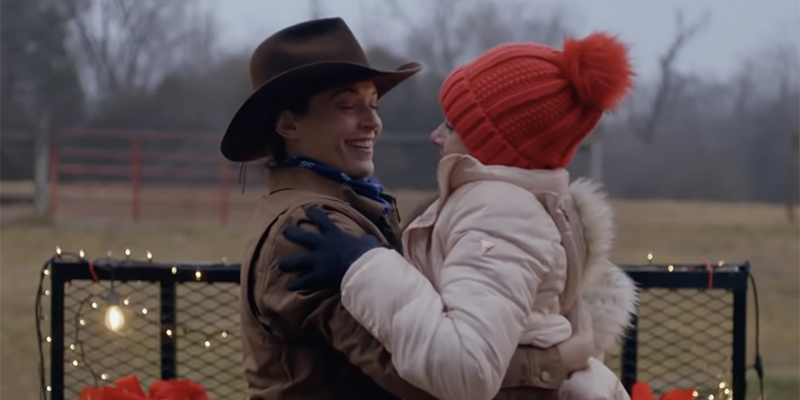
247 136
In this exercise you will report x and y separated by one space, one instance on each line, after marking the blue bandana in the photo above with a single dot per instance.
368 187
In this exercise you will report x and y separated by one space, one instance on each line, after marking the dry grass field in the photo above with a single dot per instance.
675 232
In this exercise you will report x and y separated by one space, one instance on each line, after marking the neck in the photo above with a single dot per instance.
367 187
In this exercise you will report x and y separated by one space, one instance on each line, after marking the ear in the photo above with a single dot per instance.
286 125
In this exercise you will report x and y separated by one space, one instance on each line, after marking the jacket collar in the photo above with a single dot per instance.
304 179
456 170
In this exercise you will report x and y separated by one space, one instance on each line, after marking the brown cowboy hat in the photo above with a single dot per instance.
294 62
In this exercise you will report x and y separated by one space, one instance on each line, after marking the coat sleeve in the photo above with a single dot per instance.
322 312
456 343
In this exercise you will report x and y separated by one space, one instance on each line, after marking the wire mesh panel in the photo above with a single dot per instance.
181 321
209 349
689 331
686 340
95 355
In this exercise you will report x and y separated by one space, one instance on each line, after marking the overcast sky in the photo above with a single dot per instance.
738 28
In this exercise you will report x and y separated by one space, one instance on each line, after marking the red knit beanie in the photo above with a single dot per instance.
528 105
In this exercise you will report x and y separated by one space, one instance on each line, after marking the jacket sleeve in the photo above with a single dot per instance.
322 312
457 343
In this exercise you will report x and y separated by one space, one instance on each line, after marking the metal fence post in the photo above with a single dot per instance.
53 180
739 369
136 176
56 333
168 335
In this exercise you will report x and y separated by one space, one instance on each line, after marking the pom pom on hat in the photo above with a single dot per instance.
599 69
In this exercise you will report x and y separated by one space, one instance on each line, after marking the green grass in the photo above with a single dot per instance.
675 233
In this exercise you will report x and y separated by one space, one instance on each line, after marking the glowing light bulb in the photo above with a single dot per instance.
81 254
115 317
127 252
58 250
149 256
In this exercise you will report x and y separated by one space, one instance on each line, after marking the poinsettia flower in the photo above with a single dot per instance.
679 394
177 389
643 391
128 388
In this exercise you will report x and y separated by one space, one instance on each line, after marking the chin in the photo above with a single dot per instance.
361 170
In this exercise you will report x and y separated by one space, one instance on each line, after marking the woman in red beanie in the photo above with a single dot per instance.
511 253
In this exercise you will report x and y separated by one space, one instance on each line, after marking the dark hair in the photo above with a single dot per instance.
275 142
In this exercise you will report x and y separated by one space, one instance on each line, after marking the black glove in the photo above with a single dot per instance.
330 254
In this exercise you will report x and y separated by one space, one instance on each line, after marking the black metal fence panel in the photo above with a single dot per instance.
109 319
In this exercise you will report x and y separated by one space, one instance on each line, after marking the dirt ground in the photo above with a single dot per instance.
675 232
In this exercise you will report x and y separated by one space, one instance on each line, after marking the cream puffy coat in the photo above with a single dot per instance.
494 263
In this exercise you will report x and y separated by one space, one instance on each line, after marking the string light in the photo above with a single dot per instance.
671 268
115 317
650 258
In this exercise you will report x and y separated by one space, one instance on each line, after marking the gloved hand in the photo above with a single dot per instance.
576 351
330 254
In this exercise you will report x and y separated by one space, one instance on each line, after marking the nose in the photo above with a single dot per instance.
371 121
436 137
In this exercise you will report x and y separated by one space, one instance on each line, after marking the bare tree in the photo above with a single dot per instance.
455 31
786 67
126 46
671 83
315 9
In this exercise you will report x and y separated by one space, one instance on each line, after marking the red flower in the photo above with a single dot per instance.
128 388
642 391
177 389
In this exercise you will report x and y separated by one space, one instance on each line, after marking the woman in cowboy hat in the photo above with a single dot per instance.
313 116
511 254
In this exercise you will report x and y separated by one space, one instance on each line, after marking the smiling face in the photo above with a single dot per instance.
339 128
447 140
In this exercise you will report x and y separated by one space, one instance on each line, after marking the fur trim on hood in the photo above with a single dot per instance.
608 292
